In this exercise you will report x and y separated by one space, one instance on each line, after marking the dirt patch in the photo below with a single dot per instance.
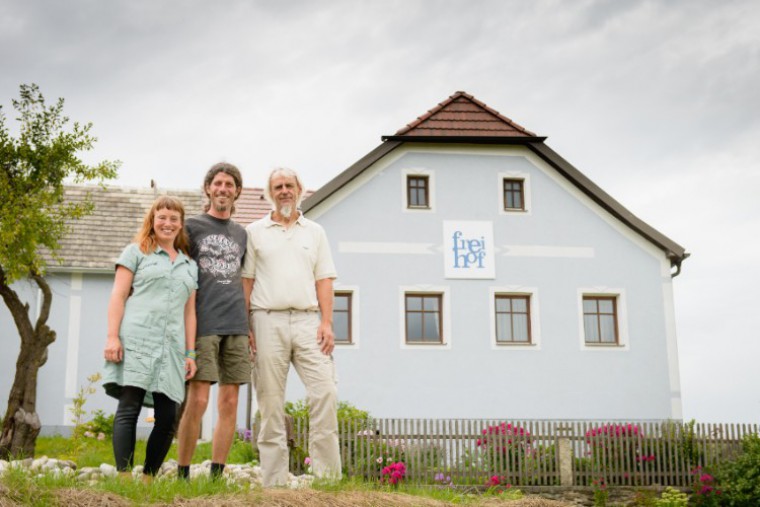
277 498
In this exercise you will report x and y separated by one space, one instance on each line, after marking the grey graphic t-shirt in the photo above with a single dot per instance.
218 247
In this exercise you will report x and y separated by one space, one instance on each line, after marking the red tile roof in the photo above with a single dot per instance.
462 115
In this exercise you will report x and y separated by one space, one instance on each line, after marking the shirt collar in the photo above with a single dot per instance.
268 222
181 257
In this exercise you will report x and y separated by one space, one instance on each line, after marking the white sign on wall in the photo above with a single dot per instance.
468 249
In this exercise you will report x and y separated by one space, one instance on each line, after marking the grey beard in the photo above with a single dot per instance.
221 208
286 210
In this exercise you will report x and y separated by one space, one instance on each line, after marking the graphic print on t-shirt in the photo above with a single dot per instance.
219 256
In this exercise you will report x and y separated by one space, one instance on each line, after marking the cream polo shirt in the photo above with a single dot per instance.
286 263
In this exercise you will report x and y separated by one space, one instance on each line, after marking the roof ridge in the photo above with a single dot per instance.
453 98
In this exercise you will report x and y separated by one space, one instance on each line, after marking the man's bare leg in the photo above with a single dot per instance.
224 432
190 424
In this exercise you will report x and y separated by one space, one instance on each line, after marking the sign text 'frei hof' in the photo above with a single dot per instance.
468 249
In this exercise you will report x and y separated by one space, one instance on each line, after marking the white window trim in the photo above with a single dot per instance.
514 175
445 293
622 319
431 190
354 290
535 326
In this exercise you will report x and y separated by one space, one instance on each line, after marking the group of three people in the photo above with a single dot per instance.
203 301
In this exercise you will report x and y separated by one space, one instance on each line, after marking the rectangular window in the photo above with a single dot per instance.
342 316
514 195
417 193
423 318
600 324
512 319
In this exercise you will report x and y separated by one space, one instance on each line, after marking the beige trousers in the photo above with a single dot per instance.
283 337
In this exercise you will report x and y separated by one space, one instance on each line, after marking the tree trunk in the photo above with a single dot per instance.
21 424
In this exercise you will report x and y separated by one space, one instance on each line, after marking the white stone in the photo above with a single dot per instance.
108 470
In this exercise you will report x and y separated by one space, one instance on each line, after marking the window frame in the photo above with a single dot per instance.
621 316
534 319
511 312
504 193
444 309
411 191
350 295
522 177
427 174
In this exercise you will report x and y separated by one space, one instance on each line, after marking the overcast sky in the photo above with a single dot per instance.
658 102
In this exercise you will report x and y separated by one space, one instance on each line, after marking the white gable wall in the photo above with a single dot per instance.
563 244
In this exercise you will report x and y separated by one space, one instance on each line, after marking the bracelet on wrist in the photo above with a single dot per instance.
190 354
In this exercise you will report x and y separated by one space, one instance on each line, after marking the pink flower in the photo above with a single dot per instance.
307 461
379 460
706 478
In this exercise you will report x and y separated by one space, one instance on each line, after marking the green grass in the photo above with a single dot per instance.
90 452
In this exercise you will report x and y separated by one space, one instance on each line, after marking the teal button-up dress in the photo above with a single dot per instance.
152 331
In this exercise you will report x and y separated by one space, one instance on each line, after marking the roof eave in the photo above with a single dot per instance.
504 140
675 252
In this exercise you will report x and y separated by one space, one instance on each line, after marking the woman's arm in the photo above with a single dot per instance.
190 329
121 285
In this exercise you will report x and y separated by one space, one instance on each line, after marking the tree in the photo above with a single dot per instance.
34 217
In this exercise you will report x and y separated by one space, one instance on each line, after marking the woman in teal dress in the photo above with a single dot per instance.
150 349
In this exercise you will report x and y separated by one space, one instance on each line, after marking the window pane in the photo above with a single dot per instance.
591 329
520 328
504 327
607 323
520 305
502 304
605 306
432 333
414 303
340 326
589 305
341 302
414 327
431 304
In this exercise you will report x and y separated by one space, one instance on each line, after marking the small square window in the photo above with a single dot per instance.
600 320
512 319
342 317
423 318
417 192
514 194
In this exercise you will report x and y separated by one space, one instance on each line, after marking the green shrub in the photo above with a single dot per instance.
740 478
672 498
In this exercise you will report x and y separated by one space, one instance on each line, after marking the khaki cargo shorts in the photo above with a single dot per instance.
223 358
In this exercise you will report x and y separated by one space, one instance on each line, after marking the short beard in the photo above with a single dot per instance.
286 210
221 207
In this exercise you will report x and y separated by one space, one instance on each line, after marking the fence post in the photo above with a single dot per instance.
565 451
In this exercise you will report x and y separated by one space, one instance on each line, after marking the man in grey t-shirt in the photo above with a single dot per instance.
217 244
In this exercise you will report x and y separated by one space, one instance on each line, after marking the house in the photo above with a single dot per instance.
81 288
481 275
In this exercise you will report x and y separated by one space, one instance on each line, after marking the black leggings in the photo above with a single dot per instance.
125 425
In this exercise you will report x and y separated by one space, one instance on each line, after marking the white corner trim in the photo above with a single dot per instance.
445 318
431 190
674 375
535 320
514 175
622 319
72 339
355 305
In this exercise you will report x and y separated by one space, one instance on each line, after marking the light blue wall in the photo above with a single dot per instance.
471 379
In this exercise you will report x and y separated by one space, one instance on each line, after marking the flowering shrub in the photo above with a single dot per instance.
612 446
704 487
503 444
394 473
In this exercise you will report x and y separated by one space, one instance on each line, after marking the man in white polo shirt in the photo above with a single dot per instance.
288 277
